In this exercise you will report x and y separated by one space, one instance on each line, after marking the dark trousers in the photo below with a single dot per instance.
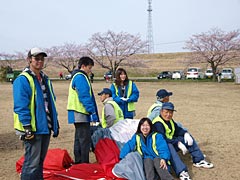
82 142
35 153
151 167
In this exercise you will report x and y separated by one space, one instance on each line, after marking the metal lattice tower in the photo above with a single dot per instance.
150 29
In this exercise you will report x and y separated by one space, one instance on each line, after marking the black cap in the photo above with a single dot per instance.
105 91
162 93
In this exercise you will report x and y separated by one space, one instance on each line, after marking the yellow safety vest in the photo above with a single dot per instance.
17 124
152 107
73 100
131 105
168 132
117 110
154 147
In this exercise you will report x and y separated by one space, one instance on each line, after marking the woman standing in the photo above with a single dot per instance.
153 149
125 93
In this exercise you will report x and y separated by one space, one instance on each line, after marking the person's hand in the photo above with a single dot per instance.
182 147
56 134
93 117
188 139
163 164
28 132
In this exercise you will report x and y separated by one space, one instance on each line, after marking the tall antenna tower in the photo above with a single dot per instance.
150 29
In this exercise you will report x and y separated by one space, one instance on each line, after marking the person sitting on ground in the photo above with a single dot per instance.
111 112
178 139
162 97
153 149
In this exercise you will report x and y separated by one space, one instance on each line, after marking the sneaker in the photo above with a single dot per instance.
203 164
184 176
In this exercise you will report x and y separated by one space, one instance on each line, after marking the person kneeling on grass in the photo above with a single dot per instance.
153 149
178 139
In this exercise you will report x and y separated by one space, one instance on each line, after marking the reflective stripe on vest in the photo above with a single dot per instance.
138 146
17 124
168 132
73 100
152 108
131 105
118 113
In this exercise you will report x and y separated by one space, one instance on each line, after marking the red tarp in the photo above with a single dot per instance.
58 163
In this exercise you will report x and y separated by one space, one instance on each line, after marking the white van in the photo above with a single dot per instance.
194 73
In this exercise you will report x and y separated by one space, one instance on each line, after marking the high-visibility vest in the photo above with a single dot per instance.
17 124
118 113
153 107
168 132
131 105
73 100
138 145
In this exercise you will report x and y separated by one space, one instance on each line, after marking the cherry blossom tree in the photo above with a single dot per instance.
215 47
110 49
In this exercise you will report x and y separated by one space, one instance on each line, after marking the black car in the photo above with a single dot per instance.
165 75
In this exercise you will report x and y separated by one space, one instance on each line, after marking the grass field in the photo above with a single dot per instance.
209 110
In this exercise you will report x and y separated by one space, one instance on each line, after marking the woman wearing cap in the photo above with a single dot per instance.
125 93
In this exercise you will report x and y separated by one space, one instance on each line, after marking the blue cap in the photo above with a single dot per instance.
105 91
162 93
168 106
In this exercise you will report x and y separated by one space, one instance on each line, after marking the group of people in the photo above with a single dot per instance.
158 137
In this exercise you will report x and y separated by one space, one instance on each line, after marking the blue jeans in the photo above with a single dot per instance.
82 142
176 162
35 153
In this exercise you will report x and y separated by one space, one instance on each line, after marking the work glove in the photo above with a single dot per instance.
182 147
28 133
124 99
93 117
188 139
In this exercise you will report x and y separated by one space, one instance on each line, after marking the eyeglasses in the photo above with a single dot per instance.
38 58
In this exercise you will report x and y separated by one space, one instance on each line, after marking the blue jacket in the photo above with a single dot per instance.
124 104
22 93
80 83
146 147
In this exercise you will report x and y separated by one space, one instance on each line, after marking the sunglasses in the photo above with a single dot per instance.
38 58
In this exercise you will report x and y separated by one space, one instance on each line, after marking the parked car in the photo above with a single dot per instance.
178 74
194 73
108 75
208 74
165 75
227 73
68 76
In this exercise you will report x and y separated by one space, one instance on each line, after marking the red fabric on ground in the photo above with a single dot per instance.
56 160
107 154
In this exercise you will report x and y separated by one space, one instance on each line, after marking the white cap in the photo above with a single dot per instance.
35 51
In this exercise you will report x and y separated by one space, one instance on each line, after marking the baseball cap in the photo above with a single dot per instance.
36 51
105 91
168 106
162 93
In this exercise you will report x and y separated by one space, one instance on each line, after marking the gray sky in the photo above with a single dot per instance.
46 23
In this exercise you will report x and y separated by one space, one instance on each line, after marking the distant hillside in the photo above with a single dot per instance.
149 65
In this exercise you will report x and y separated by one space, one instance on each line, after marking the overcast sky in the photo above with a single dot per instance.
45 23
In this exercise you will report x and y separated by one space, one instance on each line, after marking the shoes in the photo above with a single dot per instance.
184 176
203 164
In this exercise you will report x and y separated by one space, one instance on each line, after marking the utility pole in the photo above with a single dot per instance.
150 29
